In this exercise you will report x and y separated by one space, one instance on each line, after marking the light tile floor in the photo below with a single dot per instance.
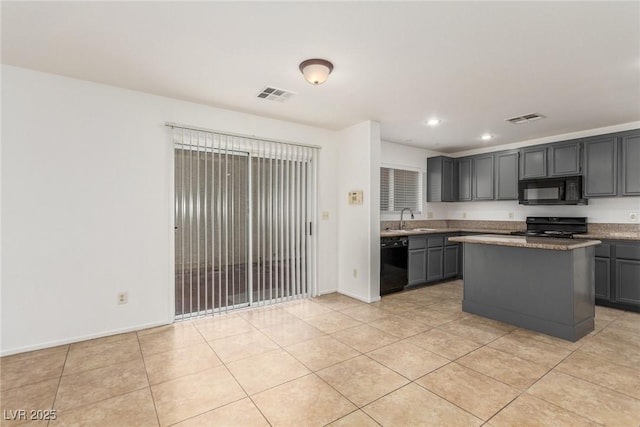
412 359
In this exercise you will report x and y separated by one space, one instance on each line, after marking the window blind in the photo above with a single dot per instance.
399 189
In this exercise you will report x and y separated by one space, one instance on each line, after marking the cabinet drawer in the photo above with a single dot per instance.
603 250
433 242
628 251
417 242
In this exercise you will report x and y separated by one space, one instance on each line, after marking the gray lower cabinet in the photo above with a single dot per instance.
482 177
617 274
432 258
463 167
417 266
417 260
451 265
630 159
435 258
628 281
603 278
506 175
600 166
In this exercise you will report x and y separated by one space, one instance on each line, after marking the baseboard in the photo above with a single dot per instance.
359 298
81 338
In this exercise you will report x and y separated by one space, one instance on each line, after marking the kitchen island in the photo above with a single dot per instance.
543 284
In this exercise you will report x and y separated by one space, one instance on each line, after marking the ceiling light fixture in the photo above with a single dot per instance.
486 137
316 71
433 122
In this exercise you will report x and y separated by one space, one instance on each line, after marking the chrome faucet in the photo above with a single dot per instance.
401 214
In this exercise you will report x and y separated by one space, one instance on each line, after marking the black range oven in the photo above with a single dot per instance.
559 227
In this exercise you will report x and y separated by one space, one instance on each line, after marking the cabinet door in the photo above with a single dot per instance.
417 266
482 177
434 263
507 176
564 159
450 261
628 281
533 162
630 159
434 179
448 180
464 180
440 179
603 278
600 166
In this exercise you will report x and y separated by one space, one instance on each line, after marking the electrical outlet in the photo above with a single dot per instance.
429 215
123 298
464 214
355 273
633 216
511 215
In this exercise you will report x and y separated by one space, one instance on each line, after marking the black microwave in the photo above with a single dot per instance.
551 191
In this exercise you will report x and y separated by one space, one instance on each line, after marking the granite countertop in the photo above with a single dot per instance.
613 235
603 234
527 242
419 231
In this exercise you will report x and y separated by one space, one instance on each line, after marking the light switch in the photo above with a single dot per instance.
325 215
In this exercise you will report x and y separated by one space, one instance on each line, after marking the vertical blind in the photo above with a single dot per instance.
243 217
400 188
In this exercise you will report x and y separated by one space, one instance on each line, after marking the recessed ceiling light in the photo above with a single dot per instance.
486 137
433 122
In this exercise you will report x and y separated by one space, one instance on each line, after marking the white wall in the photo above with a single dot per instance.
358 225
599 210
86 198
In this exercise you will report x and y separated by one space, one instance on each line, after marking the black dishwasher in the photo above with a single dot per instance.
393 264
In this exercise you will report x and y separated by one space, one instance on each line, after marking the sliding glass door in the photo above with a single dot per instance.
243 214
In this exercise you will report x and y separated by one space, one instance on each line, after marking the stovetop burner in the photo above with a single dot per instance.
557 227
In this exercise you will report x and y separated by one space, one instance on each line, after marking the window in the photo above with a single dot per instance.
400 188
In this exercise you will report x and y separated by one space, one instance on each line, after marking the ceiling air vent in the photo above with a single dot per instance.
275 94
525 119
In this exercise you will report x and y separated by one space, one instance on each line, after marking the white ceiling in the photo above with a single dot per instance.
472 64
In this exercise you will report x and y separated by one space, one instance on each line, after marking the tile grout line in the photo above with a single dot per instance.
146 372
247 395
55 396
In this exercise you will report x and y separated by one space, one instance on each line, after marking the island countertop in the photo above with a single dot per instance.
526 242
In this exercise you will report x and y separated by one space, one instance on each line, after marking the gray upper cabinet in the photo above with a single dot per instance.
463 166
533 162
564 159
630 162
482 177
441 179
543 161
607 163
600 166
506 175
